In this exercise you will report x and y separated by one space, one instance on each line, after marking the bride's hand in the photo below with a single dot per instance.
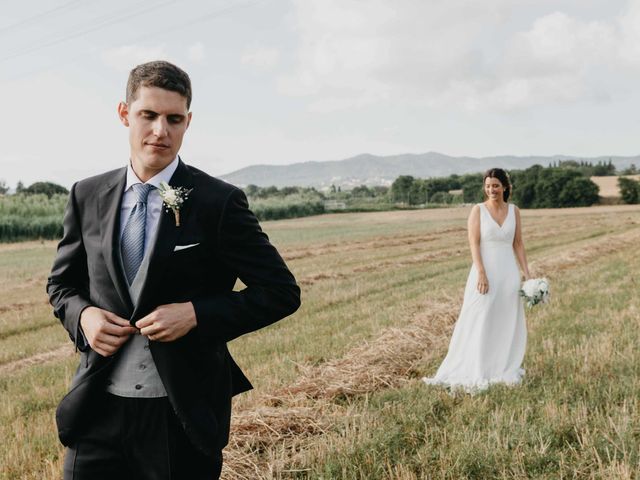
483 283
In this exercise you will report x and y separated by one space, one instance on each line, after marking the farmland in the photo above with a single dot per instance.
608 186
337 384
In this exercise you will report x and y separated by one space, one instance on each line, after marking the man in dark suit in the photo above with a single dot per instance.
145 291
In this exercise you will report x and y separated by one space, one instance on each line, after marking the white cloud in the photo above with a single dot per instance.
354 53
455 54
261 58
126 57
196 53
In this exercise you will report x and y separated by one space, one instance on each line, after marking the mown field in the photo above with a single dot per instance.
338 393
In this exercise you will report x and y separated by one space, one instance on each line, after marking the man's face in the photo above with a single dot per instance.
157 120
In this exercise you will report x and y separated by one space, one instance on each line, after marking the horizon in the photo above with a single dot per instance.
562 157
295 81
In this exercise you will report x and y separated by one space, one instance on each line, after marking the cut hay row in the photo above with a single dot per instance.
544 266
600 247
379 242
266 440
62 351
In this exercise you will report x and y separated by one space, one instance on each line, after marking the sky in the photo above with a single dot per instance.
286 81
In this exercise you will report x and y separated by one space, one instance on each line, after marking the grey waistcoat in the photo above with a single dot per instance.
134 372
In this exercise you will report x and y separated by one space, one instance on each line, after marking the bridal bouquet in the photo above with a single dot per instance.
534 291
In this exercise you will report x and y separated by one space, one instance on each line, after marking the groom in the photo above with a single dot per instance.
145 290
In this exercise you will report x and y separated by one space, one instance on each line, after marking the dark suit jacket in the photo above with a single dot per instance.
198 373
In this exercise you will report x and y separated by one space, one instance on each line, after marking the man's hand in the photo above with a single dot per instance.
168 322
106 332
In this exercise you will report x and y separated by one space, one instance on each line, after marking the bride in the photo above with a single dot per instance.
490 336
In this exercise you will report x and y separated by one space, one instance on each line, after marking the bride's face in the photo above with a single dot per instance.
493 188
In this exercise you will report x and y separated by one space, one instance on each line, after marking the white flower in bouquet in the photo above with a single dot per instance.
535 291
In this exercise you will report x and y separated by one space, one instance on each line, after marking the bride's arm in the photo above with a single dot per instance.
518 247
473 227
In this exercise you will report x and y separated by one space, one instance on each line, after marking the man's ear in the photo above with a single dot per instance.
123 113
188 119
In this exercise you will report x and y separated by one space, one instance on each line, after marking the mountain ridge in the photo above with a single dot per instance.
368 169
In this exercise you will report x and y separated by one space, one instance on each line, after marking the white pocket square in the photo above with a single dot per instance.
182 247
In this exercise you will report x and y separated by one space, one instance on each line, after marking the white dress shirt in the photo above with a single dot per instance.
154 201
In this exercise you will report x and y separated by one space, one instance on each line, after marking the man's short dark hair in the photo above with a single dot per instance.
159 74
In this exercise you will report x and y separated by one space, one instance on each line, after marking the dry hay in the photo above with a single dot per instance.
383 265
386 362
65 350
265 441
596 248
609 185
22 305
311 279
417 259
27 245
376 243
576 212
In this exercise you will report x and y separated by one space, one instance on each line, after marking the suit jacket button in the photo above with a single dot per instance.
138 387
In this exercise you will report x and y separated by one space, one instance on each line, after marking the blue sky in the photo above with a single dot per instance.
283 81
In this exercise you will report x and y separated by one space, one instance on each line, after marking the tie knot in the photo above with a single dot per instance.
141 191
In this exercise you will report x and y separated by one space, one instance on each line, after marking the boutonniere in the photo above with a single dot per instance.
173 198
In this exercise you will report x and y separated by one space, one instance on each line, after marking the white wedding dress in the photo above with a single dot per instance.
490 336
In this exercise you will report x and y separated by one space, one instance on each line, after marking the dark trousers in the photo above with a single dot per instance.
137 439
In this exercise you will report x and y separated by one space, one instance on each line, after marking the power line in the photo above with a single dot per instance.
40 16
203 18
107 21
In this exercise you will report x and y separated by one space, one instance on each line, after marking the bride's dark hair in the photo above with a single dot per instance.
501 175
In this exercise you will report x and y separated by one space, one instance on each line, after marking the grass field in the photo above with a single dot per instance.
338 393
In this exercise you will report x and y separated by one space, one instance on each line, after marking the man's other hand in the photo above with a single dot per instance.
106 332
168 322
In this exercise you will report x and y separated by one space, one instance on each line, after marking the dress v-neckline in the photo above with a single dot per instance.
494 220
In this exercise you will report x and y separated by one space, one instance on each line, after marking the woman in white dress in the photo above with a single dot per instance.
490 336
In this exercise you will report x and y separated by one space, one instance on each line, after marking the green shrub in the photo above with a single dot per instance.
31 217
629 190
292 206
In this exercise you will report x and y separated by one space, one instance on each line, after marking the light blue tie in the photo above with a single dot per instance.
132 241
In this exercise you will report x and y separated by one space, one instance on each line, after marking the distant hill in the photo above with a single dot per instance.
371 170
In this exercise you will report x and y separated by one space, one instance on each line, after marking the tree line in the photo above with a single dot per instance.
565 184
36 211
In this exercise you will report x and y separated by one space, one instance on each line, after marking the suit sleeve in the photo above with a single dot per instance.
271 291
68 283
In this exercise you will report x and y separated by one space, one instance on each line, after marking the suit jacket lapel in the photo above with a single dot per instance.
109 204
165 242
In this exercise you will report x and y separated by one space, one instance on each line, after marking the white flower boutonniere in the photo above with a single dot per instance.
173 198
